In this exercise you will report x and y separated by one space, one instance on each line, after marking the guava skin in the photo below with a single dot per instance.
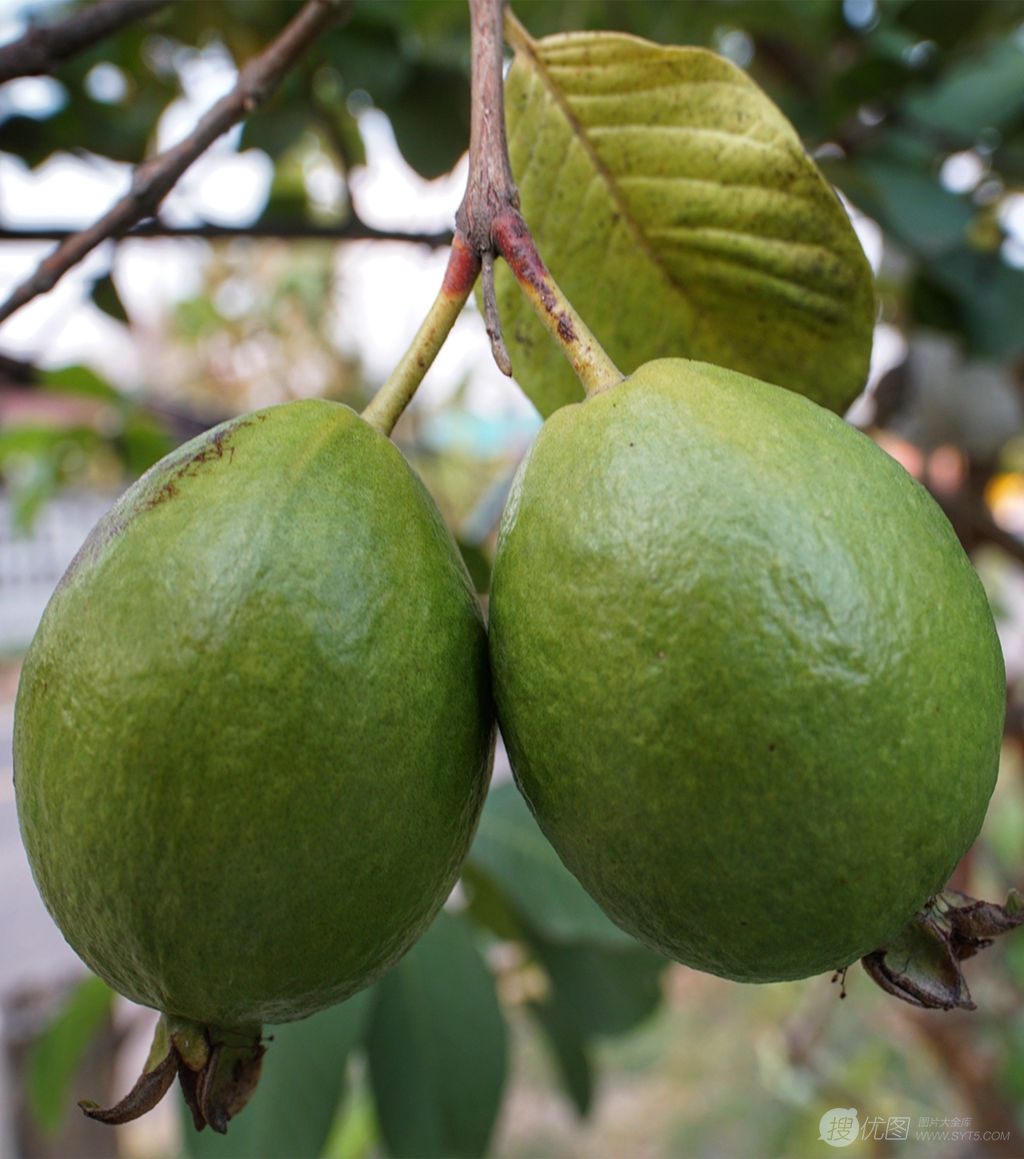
254 731
749 682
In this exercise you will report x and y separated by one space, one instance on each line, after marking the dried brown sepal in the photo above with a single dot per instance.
973 925
922 964
218 1072
919 967
226 1084
150 1088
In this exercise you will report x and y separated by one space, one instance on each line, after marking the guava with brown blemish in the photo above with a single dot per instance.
749 682
253 732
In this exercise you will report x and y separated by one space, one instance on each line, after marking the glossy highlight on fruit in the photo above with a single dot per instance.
749 682
254 731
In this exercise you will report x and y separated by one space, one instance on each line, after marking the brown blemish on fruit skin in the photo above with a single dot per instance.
210 448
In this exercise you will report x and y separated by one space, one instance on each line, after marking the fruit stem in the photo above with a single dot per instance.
387 405
588 358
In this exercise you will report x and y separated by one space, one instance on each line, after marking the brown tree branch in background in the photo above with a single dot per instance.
973 1075
17 372
352 229
974 523
43 48
154 179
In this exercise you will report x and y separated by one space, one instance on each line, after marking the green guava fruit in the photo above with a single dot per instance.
254 730
749 682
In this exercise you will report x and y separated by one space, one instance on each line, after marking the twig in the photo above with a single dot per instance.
488 223
490 191
489 216
154 179
352 229
17 372
492 319
43 48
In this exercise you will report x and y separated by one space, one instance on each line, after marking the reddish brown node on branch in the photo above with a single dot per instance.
515 243
463 268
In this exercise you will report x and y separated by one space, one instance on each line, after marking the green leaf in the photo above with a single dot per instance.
675 206
990 295
291 1114
35 461
477 563
985 91
79 380
489 907
56 1055
949 25
104 294
514 854
437 1048
911 204
275 130
608 990
142 441
431 120
569 1048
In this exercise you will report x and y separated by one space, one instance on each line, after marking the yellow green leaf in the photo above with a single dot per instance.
677 208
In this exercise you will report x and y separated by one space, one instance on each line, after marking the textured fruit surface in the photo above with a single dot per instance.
749 681
253 732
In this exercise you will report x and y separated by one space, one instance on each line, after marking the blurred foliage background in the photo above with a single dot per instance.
524 1024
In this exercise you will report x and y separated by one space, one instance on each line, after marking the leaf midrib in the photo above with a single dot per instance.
625 216
612 186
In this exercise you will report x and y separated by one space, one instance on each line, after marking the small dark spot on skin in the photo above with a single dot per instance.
212 449
743 921
167 491
632 444
771 747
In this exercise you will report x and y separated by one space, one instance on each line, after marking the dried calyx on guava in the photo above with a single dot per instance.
253 736
921 965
